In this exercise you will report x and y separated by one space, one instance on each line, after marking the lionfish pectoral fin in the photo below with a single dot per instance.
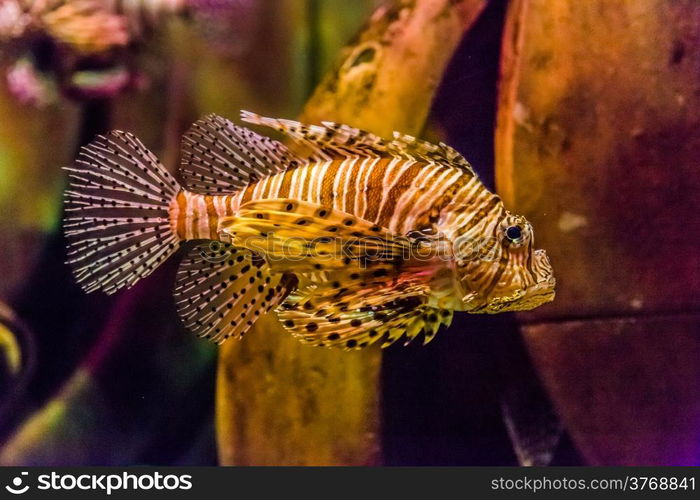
355 309
305 236
219 157
221 290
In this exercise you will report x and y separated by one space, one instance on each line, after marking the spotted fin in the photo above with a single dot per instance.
333 139
325 141
356 321
356 308
116 221
429 152
307 236
349 288
221 290
220 157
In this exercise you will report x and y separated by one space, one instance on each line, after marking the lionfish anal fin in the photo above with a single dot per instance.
222 290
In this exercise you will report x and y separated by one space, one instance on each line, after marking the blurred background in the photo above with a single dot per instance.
583 116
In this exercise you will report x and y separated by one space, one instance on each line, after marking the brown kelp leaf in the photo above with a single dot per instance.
592 107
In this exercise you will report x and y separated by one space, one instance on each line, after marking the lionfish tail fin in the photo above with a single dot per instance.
117 219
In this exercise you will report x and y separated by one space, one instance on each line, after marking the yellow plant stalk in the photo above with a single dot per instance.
280 402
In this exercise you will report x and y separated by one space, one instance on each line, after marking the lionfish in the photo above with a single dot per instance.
352 239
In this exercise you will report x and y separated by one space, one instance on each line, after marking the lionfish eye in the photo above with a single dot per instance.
514 233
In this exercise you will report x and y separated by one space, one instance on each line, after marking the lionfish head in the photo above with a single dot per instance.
499 269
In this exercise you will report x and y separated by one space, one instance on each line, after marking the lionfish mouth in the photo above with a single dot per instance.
520 300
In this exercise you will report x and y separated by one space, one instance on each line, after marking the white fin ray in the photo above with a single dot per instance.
220 157
336 139
116 213
221 290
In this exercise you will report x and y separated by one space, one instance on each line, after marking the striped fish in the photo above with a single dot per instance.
352 239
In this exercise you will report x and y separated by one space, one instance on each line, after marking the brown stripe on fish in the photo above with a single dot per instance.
339 183
189 215
395 184
212 217
347 198
361 187
260 187
376 185
181 215
174 211
286 184
420 201
327 169
248 193
303 181
327 182
372 186
502 263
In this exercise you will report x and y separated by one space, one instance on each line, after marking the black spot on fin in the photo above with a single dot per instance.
353 312
336 139
116 219
221 290
317 237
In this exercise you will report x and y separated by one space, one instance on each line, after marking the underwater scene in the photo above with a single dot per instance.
349 232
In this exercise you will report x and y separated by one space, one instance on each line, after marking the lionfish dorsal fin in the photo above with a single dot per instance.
221 157
429 152
332 139
323 141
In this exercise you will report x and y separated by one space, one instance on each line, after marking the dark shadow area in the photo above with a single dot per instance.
137 385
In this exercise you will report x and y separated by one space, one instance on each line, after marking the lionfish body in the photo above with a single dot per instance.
351 238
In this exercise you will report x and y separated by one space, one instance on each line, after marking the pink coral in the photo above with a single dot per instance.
28 86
